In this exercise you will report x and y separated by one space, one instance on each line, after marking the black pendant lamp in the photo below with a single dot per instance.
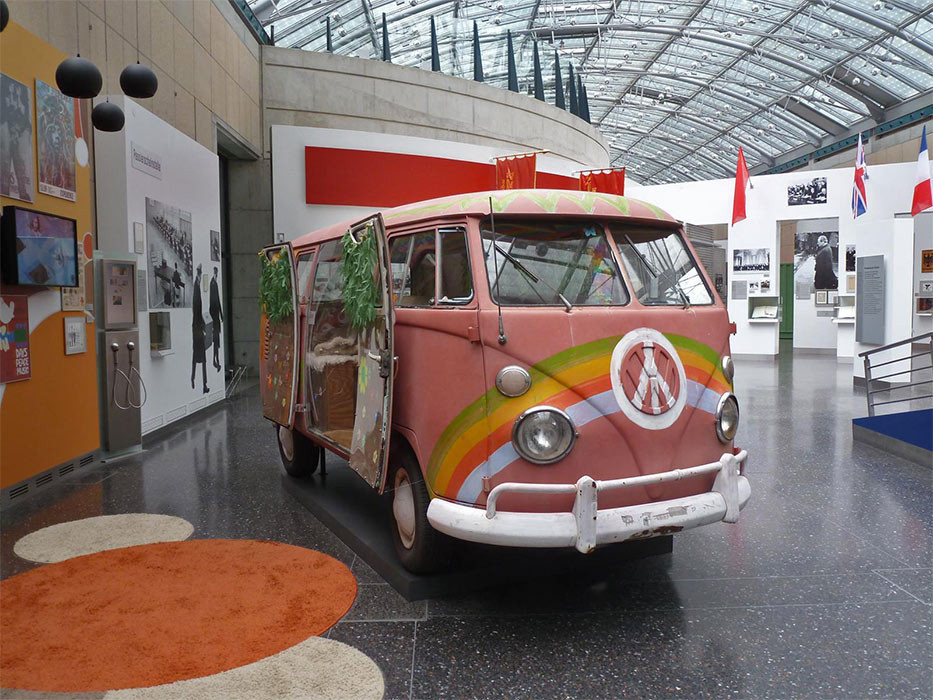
4 15
107 117
138 81
78 77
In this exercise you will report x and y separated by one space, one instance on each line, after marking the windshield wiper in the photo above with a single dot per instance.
654 273
532 276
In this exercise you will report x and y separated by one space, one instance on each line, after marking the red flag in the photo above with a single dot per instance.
610 182
742 183
516 173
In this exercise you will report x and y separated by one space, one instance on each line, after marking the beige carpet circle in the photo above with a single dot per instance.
315 669
79 537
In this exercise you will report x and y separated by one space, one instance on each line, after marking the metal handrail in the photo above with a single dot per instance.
866 359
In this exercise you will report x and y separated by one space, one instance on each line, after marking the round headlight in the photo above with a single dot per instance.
543 434
728 368
727 417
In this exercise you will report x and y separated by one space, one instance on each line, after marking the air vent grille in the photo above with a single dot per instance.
67 469
44 479
20 490
86 460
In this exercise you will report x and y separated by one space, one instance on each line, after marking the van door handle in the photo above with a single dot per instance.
384 360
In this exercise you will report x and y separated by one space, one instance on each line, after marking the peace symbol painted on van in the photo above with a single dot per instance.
649 378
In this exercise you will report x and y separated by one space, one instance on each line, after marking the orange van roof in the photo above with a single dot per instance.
510 202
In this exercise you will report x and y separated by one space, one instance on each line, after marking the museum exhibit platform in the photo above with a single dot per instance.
359 516
908 434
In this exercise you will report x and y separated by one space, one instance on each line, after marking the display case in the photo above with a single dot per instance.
844 309
160 333
764 309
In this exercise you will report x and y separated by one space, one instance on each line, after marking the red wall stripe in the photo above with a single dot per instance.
341 176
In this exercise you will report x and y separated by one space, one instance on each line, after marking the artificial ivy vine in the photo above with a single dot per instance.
275 286
360 294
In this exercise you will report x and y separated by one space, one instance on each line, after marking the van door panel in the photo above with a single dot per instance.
278 357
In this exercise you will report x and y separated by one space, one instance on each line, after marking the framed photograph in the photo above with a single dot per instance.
850 257
17 162
75 335
751 259
766 286
832 298
926 288
816 258
139 241
925 306
754 287
55 132
926 261
215 246
850 284
821 297
813 192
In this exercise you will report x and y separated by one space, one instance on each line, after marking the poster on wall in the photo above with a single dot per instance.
926 261
15 361
816 259
17 164
215 246
75 335
850 257
171 265
813 192
55 139
751 259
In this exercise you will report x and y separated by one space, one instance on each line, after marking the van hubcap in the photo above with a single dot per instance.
287 441
403 509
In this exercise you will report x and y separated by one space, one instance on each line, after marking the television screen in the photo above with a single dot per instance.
39 249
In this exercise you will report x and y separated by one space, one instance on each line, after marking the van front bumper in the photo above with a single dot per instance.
586 526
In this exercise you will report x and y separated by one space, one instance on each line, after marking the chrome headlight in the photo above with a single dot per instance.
727 417
728 368
543 435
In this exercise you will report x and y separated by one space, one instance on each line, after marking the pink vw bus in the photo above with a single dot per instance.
538 369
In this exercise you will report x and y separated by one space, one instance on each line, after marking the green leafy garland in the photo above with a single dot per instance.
360 295
275 286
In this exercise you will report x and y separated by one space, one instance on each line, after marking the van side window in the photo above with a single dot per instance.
303 264
328 277
456 278
414 261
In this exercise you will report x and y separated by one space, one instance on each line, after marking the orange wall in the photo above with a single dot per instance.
53 416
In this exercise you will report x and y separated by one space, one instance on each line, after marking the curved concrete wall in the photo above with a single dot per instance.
303 88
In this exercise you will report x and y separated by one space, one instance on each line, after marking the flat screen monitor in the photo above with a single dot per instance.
39 250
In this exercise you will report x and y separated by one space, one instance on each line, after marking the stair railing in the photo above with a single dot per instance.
910 371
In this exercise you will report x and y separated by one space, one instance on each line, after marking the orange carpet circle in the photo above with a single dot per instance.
158 613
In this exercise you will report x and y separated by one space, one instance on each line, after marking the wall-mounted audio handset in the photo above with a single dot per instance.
140 391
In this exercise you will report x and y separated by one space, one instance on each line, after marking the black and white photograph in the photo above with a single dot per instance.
215 246
813 192
751 259
17 163
850 257
816 257
754 287
766 286
171 273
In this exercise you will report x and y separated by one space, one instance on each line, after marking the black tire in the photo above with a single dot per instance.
305 455
420 547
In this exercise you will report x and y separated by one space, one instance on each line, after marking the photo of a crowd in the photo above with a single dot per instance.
751 259
813 192
171 264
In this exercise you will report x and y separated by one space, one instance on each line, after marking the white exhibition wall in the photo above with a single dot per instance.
293 217
889 190
183 176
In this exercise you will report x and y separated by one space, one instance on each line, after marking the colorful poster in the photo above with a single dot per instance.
55 131
926 261
17 165
15 363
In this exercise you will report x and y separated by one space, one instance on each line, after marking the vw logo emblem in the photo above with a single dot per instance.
648 379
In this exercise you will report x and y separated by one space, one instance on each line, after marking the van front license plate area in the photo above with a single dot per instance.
586 526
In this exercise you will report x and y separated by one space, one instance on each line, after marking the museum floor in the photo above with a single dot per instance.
824 589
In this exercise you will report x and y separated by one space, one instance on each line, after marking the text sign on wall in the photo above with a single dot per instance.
869 300
15 363
146 161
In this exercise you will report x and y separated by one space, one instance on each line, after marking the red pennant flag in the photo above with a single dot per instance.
742 183
516 173
610 182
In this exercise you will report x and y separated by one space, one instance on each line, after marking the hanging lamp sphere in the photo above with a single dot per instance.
139 81
78 77
107 117
4 15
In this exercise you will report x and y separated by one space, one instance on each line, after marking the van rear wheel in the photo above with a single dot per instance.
420 547
300 456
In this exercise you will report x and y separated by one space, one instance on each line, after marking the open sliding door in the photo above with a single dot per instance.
278 352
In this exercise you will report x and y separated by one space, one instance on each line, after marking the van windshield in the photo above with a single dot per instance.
548 263
660 267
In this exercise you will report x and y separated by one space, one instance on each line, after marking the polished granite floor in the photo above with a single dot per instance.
824 590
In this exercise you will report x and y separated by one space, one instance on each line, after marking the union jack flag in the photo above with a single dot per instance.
859 198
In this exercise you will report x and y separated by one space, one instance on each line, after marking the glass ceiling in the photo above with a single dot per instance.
675 87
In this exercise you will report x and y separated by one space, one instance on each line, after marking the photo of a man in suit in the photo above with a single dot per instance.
217 315
197 332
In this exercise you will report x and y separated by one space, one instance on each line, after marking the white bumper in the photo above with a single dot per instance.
586 526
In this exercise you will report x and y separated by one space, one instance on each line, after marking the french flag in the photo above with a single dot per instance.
923 193
859 196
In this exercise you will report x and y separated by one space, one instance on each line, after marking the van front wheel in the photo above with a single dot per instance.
300 456
421 548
